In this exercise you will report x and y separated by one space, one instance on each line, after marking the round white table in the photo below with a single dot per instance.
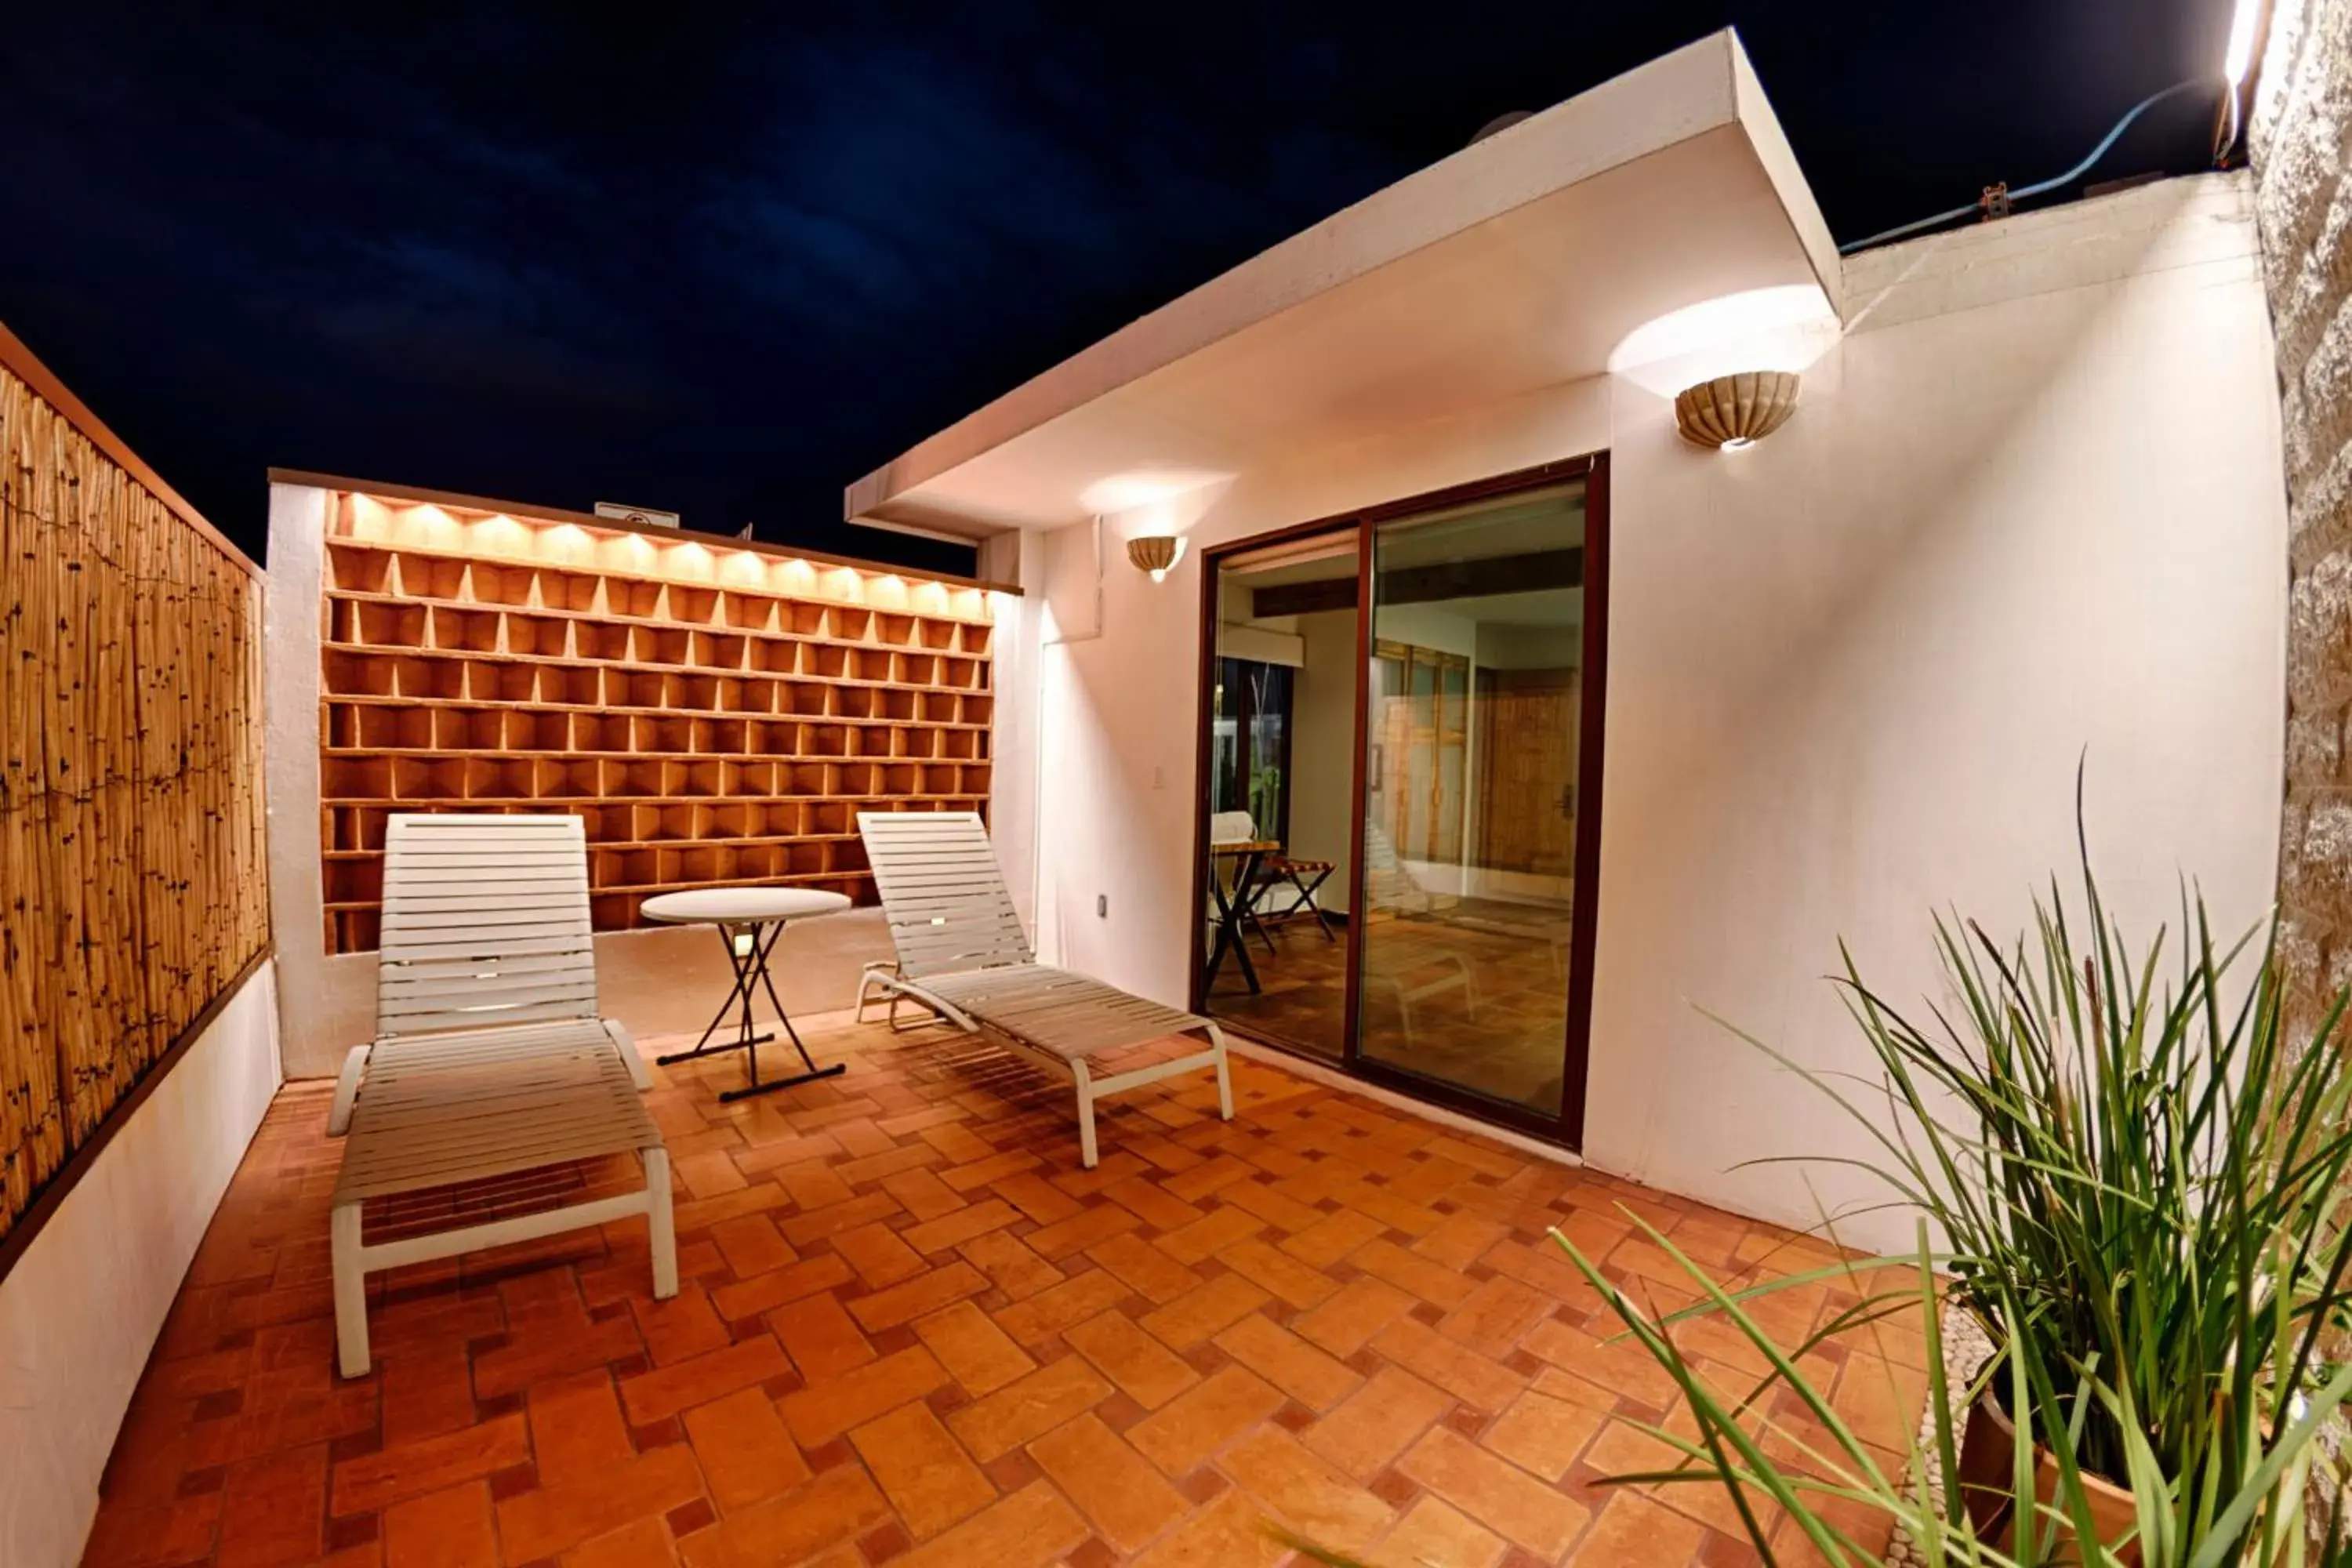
749 920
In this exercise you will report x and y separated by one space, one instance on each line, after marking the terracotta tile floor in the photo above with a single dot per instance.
911 1330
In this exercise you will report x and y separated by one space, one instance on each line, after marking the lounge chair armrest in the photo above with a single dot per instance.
347 1091
627 1045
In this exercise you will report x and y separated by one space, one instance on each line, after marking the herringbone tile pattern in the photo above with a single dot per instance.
913 1330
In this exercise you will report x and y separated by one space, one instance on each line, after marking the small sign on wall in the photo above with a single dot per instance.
639 514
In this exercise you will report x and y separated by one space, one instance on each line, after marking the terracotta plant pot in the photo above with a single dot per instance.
1988 1487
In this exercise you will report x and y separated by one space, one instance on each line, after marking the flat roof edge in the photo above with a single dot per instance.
1780 167
1685 93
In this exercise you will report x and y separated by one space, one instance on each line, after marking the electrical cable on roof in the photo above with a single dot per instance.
2045 186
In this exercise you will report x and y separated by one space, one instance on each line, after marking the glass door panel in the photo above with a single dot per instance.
1468 898
1281 800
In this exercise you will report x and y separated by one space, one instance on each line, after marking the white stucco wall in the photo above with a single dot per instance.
2028 512
316 1030
80 1310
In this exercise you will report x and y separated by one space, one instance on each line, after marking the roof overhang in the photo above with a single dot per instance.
1517 263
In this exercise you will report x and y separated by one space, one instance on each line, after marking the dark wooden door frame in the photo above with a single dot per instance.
1567 1128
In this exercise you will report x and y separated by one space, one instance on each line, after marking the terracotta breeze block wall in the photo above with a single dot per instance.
2301 134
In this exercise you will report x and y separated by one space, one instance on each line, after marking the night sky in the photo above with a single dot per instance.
724 260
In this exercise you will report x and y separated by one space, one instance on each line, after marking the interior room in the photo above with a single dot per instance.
1280 769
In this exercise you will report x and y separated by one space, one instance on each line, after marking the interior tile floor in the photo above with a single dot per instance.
1474 995
913 1330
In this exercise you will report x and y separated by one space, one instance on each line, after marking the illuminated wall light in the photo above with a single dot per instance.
371 518
1732 413
498 534
428 525
568 542
1157 554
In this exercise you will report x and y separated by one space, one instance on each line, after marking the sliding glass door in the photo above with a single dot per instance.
1402 715
1468 906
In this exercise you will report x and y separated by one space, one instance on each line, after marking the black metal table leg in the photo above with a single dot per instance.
749 960
1231 913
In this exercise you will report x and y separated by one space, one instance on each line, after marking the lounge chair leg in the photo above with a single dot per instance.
1086 1087
347 1092
350 1292
661 1227
1224 1077
874 977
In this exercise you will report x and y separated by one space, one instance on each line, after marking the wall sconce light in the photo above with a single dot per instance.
1732 412
1156 554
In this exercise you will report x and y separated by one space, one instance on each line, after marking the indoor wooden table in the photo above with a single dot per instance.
749 921
1233 911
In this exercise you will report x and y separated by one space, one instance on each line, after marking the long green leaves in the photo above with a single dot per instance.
2254 1520
2139 1165
2138 1178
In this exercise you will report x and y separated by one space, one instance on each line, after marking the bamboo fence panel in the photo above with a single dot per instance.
132 887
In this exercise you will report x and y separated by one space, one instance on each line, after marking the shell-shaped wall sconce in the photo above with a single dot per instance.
1156 554
1735 411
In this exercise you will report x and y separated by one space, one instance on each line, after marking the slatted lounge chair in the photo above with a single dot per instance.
962 954
490 1066
485 927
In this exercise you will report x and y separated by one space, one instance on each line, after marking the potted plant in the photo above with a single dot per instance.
2135 1174
2255 1517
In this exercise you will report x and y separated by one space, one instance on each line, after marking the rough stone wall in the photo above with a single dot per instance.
2301 133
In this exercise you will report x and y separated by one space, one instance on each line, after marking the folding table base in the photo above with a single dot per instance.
748 959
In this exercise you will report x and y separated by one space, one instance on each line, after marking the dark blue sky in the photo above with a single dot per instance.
728 258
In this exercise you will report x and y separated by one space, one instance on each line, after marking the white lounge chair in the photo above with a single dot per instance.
489 1060
962 954
485 927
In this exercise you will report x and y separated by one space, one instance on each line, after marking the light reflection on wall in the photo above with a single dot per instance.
1786 328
